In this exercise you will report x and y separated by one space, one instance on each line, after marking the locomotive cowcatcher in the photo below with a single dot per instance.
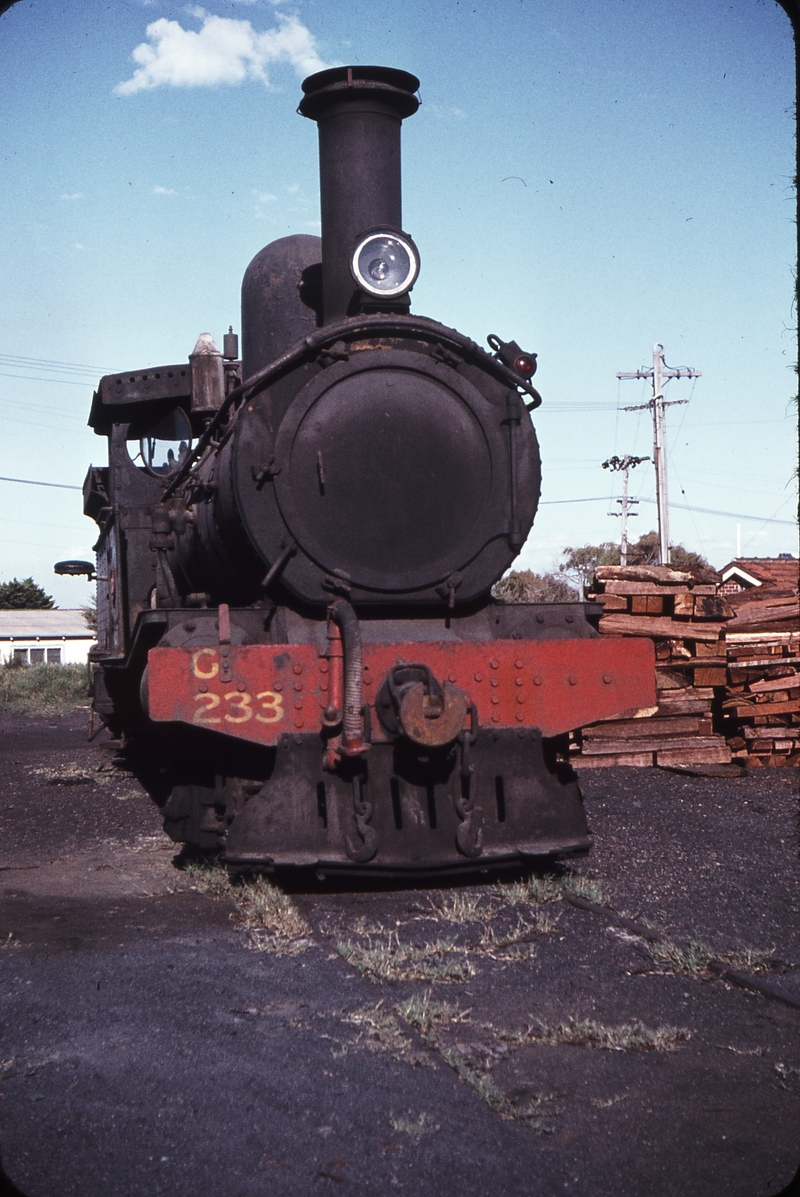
296 635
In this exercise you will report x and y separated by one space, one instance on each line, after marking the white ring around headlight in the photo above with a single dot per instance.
407 271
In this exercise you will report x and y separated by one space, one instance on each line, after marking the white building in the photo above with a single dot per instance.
45 637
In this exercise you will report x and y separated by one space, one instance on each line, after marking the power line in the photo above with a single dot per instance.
567 406
681 507
46 363
31 482
67 382
554 502
737 515
49 366
44 424
58 412
543 503
755 534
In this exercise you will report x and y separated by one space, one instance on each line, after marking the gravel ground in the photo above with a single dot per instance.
164 1032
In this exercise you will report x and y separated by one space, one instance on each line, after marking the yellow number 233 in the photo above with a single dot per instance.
240 708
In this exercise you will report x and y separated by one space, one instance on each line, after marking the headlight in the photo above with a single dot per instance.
385 264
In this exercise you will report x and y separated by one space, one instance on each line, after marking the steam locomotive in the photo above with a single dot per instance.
296 636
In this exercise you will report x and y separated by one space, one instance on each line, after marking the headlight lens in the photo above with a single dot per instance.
385 264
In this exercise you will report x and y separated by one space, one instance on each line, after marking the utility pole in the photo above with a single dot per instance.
623 465
657 404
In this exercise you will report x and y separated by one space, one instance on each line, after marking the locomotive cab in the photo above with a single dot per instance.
296 634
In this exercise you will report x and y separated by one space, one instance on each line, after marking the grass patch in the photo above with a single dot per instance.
433 1020
586 1032
365 926
208 878
605 1103
381 1032
505 935
540 891
461 908
582 887
42 689
748 960
535 891
693 960
392 960
477 1078
672 958
428 1016
415 1128
483 1084
515 944
270 919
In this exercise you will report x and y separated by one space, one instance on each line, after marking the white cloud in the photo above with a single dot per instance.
447 114
264 197
75 195
224 51
78 245
164 191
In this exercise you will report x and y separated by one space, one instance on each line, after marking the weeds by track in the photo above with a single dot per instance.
42 689
496 926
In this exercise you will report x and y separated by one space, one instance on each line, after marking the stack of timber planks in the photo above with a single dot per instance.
686 619
761 709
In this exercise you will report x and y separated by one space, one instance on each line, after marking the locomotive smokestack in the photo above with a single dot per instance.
359 110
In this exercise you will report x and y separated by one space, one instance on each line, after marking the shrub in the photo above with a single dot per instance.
524 586
42 689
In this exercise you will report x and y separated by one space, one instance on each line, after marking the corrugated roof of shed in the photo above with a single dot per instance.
27 625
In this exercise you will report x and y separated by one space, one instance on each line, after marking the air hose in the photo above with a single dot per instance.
345 617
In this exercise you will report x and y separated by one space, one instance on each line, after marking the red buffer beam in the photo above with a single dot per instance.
259 692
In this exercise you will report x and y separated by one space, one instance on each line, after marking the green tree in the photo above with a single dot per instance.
524 586
645 552
23 595
577 565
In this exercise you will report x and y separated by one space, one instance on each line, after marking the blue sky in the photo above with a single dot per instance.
587 178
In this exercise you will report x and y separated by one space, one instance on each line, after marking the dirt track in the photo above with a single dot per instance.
163 1034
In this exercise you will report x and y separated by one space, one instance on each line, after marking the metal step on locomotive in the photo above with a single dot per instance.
296 636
